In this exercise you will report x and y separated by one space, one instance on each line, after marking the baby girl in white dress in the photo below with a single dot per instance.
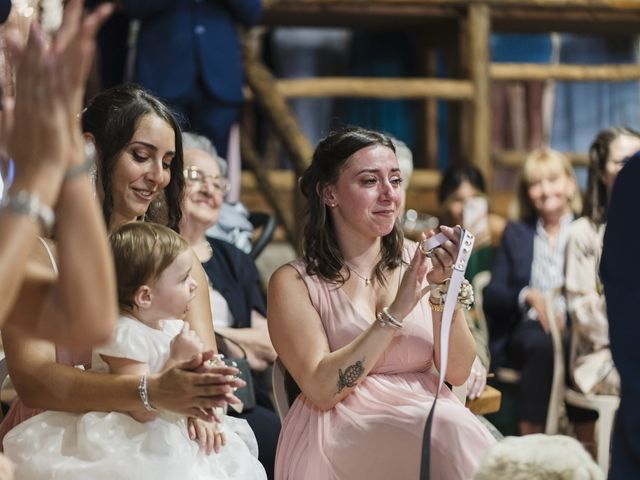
155 287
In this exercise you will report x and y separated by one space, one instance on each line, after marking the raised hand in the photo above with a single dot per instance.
444 256
46 138
411 286
186 344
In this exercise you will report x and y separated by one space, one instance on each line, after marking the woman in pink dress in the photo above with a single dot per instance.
352 325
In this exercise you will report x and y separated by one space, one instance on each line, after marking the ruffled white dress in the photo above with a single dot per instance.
113 446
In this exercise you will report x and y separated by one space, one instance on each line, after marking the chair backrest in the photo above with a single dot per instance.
509 375
460 392
266 223
278 384
4 371
4 374
556 398
480 281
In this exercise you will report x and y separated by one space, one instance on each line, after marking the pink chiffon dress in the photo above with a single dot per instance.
376 431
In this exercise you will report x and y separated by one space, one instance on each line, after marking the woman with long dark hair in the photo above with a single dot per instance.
139 176
351 324
591 366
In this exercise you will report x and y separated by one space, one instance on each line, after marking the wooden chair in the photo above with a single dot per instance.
4 376
605 405
284 387
266 225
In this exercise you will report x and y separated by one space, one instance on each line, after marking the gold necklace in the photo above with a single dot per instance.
367 280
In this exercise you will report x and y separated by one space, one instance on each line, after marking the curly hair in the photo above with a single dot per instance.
112 117
320 246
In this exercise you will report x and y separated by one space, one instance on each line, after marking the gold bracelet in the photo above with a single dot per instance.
439 307
436 307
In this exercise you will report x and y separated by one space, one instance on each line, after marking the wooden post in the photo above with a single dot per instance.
266 93
250 156
479 27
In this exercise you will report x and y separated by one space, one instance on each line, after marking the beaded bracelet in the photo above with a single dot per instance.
144 394
439 291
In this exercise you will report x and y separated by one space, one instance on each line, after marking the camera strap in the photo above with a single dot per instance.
457 276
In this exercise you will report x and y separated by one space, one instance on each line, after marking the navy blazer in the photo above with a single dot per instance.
182 40
234 274
619 273
511 272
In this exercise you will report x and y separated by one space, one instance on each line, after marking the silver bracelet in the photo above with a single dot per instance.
385 318
26 203
84 167
144 394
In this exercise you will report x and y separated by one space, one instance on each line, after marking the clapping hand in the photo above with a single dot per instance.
44 135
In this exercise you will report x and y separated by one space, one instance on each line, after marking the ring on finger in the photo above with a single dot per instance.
427 253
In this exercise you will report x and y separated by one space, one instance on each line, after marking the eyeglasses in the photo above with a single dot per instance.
195 175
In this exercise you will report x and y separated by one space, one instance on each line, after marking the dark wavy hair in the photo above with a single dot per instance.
320 246
596 198
112 117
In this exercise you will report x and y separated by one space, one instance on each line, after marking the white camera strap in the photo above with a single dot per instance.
457 276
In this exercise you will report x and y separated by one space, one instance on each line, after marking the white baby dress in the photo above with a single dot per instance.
114 446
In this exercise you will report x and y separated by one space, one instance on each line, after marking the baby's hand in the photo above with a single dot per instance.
186 344
208 435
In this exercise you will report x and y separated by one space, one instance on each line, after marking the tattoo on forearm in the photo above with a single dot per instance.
349 377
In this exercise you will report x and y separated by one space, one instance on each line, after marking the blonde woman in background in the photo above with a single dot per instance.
529 265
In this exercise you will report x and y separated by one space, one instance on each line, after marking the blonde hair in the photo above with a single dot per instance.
538 163
141 252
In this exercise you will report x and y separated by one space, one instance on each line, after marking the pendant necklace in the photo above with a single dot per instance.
367 280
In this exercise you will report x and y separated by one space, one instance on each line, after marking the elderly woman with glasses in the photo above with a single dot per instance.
237 302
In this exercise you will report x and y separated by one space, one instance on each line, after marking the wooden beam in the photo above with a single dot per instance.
521 71
563 4
478 51
265 92
267 188
595 16
376 88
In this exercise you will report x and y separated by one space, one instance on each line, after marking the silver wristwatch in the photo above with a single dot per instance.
25 203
